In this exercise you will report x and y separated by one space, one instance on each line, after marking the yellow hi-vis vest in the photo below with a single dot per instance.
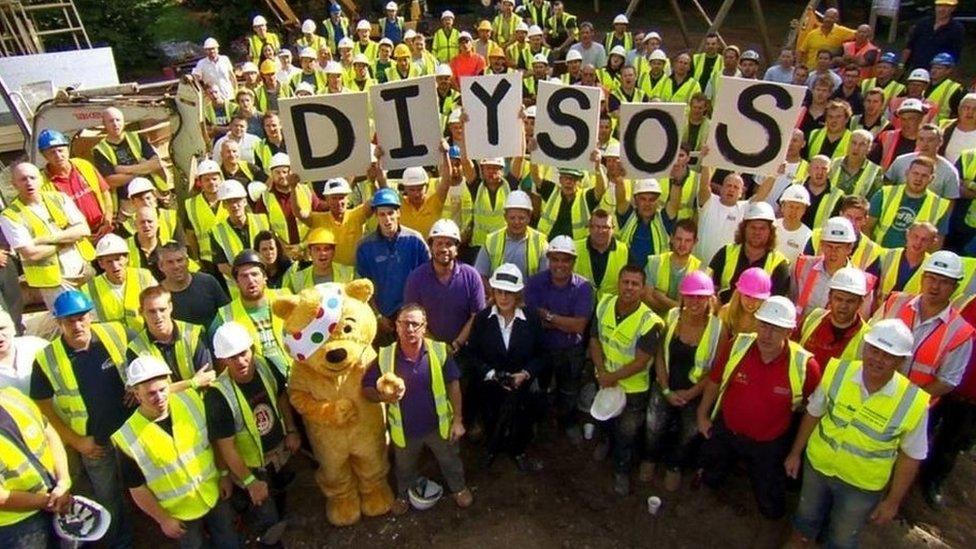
889 265
18 472
131 139
579 212
619 341
262 101
318 76
445 45
689 194
167 226
185 348
797 368
55 364
616 260
941 94
698 67
611 40
109 307
329 29
179 468
255 43
276 216
45 273
393 74
967 160
436 357
892 89
773 259
705 351
487 218
932 210
827 206
535 246
658 271
866 252
865 180
502 30
228 240
296 280
247 438
88 173
857 439
660 239
203 219
818 315
819 136
682 93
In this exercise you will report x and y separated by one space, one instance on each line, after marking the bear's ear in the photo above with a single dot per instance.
361 289
283 305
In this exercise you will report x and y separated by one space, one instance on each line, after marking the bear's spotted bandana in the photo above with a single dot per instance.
303 344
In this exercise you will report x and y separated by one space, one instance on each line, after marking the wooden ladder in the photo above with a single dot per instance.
25 25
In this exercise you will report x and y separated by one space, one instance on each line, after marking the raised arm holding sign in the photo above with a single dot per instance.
493 128
566 124
407 122
329 134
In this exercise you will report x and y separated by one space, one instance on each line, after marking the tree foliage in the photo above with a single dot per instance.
124 25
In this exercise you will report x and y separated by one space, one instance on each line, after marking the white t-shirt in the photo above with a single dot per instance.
780 184
961 141
791 243
717 224
17 235
247 144
18 374
219 73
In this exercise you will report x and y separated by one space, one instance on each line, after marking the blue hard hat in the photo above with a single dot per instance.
386 197
944 59
70 303
454 152
51 138
889 57
334 8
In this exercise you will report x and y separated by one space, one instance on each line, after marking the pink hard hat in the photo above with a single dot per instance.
696 283
755 282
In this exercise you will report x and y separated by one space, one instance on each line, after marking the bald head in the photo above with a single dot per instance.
114 121
26 178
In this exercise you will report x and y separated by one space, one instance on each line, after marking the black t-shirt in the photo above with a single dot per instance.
220 420
256 172
780 276
564 218
100 386
123 157
131 473
598 261
707 67
168 350
682 359
815 199
199 302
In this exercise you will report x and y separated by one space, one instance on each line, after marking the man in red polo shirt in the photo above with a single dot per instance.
756 386
77 178
827 332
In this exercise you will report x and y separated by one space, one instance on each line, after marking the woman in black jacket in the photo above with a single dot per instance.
506 343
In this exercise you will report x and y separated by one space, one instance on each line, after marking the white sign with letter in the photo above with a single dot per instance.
492 103
326 135
407 122
566 123
650 137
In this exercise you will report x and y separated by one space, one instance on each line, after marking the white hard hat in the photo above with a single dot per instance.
465 35
308 26
646 185
305 87
496 161
522 27
410 34
145 368
535 30
574 55
621 20
447 14
618 50
658 55
111 244
231 189
652 34
518 200
424 493
562 244
944 263
255 189
360 59
778 311
414 175
345 42
307 53
919 75
363 25
454 117
391 6
278 160
211 43
336 185
507 277
207 166
892 336
139 185
444 70
850 280
608 403
911 105
796 193
334 68
231 339
540 58
613 151
258 20
445 227
839 229
530 111
249 67
760 210
85 520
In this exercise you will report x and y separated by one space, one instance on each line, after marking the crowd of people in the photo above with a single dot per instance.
815 323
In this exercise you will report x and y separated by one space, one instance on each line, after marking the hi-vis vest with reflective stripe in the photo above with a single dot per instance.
167 227
317 76
276 216
827 206
56 366
235 311
615 261
135 148
619 341
436 356
579 213
331 36
45 273
819 136
255 44
17 472
611 40
535 247
817 316
689 194
806 274
857 439
90 176
658 270
488 218
797 368
682 93
445 45
698 67
941 94
393 73
247 438
185 348
109 307
866 252
892 89
890 264
228 240
931 351
660 239
773 259
203 219
865 179
933 208
968 162
296 279
179 468
706 349
262 97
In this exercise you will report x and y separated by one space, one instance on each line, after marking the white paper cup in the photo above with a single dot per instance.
653 504
588 429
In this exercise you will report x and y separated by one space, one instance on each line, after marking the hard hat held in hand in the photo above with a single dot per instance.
86 520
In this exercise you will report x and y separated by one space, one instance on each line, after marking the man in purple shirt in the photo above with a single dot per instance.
564 302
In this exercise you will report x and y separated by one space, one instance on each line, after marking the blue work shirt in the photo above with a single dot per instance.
387 262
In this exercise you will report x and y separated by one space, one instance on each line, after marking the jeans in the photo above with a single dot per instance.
448 458
671 430
843 507
219 522
624 429
34 532
567 370
106 483
955 431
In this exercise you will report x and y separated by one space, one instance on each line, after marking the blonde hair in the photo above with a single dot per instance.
735 318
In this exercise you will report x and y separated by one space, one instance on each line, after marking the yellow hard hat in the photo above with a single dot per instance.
484 25
320 235
496 51
402 50
268 66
